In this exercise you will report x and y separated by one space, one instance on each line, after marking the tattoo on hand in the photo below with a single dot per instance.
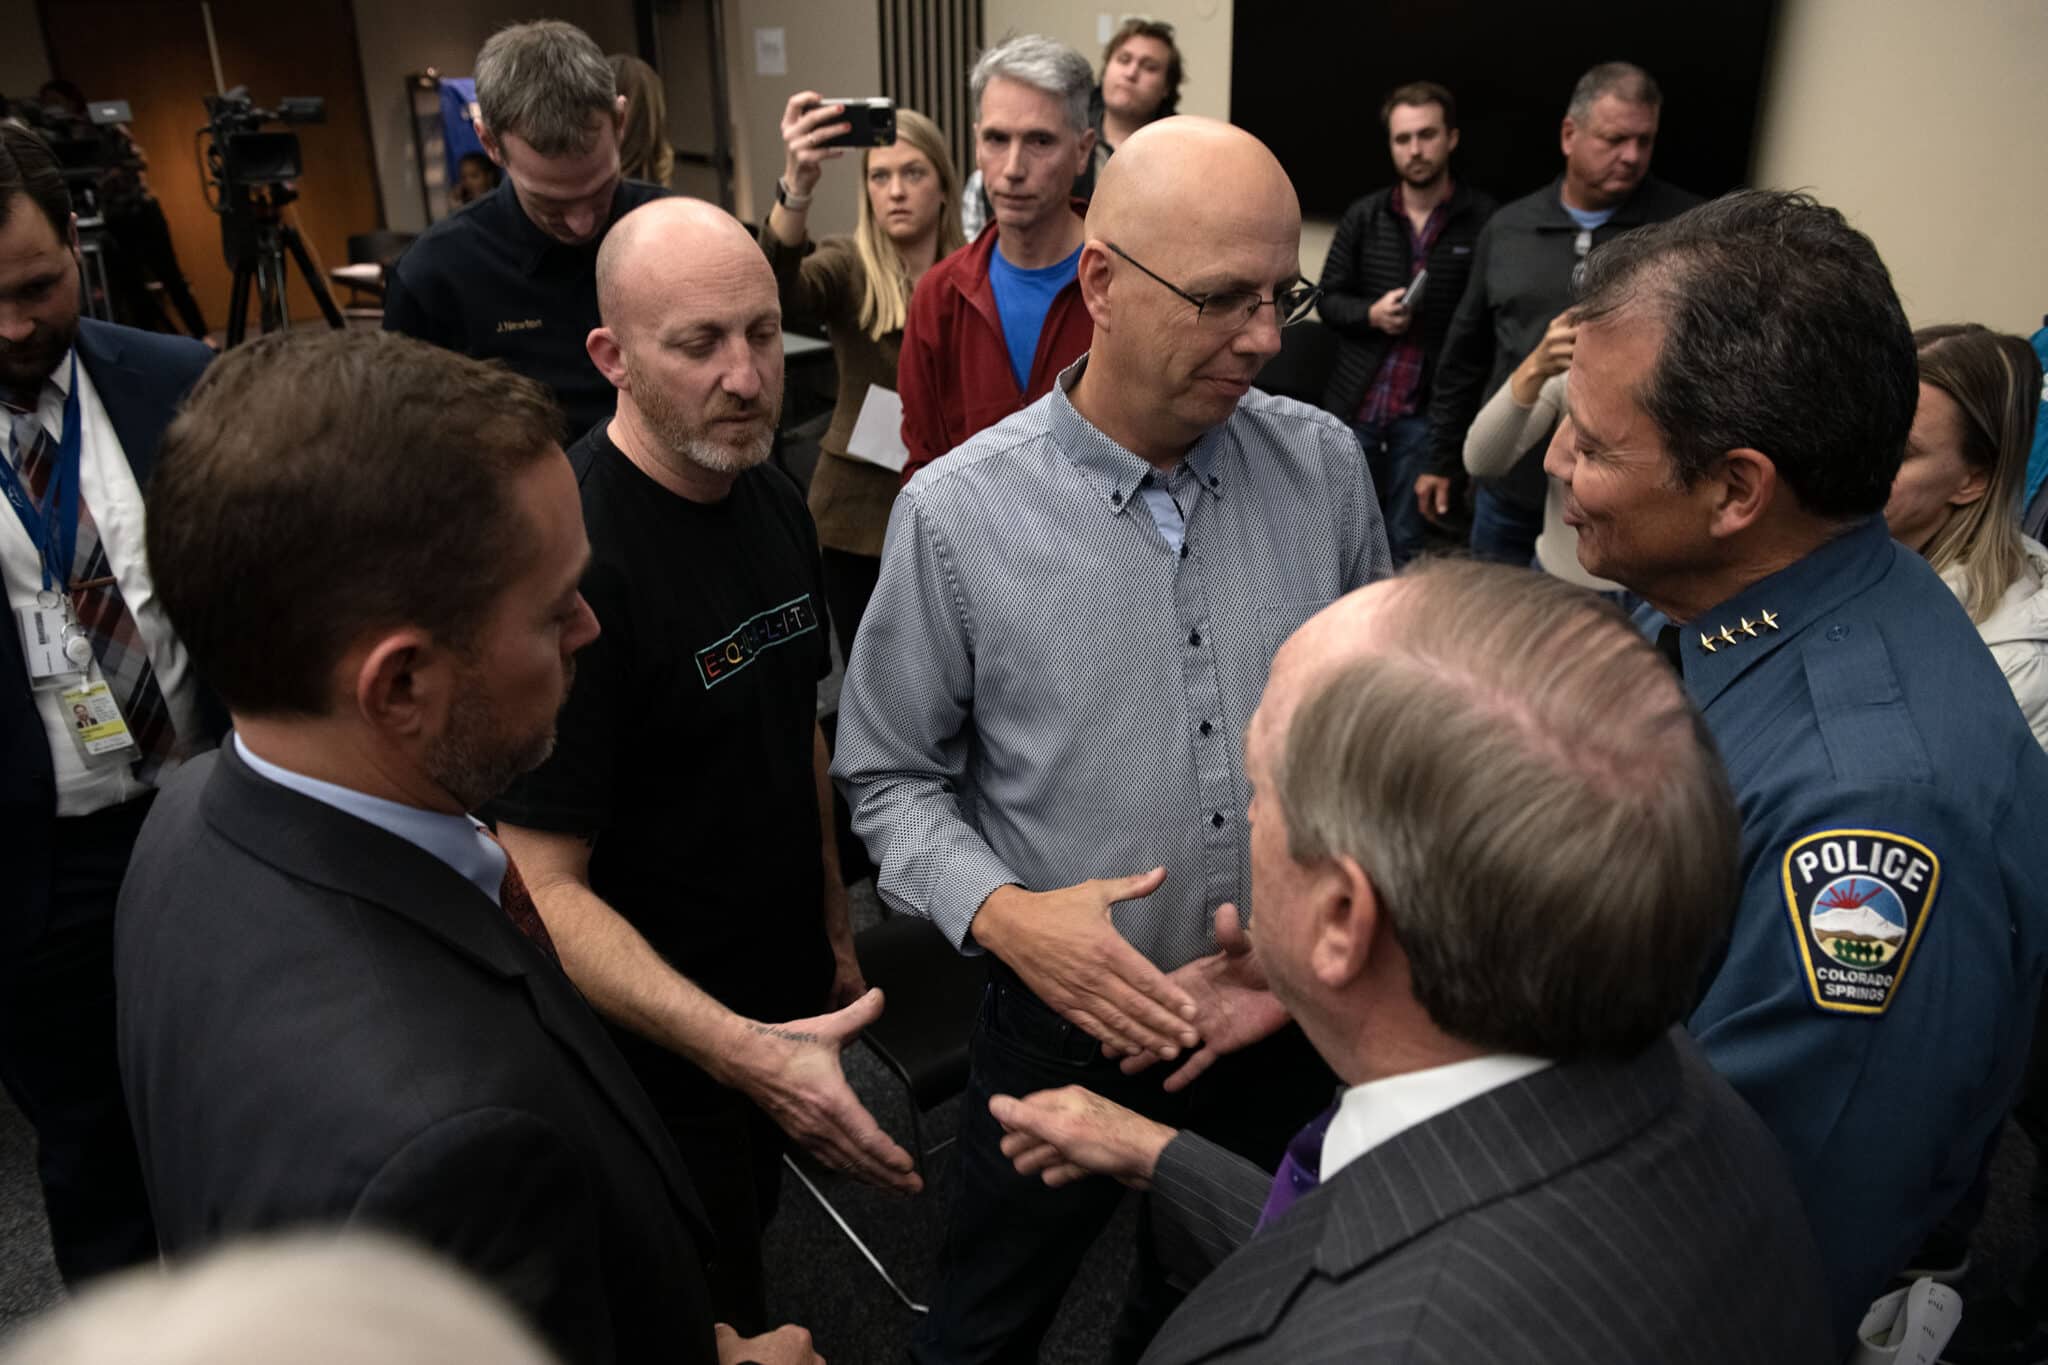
787 1035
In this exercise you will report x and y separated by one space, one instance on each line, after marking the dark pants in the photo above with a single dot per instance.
1012 1244
57 1054
733 1153
144 239
1397 454
1504 532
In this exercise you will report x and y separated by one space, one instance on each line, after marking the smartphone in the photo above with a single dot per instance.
1414 293
873 120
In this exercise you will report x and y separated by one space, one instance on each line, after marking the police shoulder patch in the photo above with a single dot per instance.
1859 899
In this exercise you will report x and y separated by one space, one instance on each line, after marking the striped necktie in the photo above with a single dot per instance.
117 643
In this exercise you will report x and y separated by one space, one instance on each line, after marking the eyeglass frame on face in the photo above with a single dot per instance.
1306 295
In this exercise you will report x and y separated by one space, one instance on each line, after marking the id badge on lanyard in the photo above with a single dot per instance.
55 645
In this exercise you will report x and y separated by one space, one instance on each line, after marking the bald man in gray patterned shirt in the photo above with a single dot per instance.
1049 693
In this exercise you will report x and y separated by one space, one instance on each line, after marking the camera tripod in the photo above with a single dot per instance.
259 243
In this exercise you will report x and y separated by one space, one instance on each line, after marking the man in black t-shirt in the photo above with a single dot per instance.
513 276
673 842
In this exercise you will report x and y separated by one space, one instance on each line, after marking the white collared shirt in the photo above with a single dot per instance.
1381 1110
110 491
456 840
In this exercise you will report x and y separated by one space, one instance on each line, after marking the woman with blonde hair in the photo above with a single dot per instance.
859 289
644 150
1956 497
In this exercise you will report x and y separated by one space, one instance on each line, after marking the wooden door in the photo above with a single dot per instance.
153 53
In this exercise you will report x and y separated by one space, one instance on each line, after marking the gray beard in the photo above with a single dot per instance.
721 459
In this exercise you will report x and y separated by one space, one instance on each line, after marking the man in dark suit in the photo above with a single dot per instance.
1491 847
82 407
337 1000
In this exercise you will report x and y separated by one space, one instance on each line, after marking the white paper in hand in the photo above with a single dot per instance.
878 431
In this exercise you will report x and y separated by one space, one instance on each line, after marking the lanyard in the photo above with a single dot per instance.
53 527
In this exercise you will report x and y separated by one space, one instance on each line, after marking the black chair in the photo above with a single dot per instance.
370 256
931 994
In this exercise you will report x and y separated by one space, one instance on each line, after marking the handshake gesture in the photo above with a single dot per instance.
1066 949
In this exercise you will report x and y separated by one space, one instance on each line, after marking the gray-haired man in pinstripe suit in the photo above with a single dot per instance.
1491 846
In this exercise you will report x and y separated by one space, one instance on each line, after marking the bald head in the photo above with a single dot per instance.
667 249
692 340
1166 178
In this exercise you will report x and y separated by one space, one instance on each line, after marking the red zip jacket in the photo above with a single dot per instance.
954 369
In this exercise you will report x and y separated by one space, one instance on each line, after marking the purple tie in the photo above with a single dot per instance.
1298 1173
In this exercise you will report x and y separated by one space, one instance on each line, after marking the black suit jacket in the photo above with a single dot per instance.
141 377
1614 1212
322 1023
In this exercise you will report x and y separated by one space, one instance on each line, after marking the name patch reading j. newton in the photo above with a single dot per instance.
1859 899
729 654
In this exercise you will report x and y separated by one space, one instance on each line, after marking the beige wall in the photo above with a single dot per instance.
1203 28
24 65
397 37
833 47
1922 122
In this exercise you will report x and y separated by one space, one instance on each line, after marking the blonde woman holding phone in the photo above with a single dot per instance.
859 288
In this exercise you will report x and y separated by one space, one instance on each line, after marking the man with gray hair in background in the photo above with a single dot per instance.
994 323
1523 269
513 276
1492 850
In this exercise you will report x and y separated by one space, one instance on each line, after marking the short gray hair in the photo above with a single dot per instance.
1043 64
1538 805
1624 80
545 81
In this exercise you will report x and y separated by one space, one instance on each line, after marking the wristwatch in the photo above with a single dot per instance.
788 198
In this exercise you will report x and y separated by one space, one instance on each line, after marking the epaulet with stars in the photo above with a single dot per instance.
1745 629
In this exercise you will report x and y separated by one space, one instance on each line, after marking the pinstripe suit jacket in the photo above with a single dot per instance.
1610 1212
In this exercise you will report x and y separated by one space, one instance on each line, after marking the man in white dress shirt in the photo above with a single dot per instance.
98 702
1491 847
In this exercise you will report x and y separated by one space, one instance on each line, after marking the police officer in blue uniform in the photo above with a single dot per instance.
1740 396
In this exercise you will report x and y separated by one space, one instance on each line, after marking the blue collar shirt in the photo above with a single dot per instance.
456 840
1052 681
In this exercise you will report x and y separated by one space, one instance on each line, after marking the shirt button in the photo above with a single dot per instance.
1117 497
1215 483
1207 727
1195 638
1217 819
1183 549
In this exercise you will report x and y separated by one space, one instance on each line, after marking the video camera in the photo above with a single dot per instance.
241 156
90 151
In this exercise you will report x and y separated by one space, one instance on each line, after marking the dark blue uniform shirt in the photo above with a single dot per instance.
1876 997
488 283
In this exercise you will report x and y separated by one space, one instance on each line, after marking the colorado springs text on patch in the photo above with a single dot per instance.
726 656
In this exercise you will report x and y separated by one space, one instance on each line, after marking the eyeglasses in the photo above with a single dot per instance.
1233 309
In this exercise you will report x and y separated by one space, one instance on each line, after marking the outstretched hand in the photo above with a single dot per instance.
1234 1007
1067 950
1067 1134
793 1072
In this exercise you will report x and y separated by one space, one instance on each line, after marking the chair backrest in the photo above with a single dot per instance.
931 993
381 247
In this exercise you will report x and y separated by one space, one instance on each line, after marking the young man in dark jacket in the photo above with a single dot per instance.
1386 359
